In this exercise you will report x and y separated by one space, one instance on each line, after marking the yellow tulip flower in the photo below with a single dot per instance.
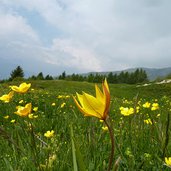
95 106
7 97
24 110
23 88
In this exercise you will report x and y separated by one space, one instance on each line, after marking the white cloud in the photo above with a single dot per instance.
72 54
15 27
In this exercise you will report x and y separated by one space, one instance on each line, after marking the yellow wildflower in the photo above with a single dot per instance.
60 96
148 121
95 106
7 97
62 105
31 116
23 88
21 101
51 160
23 110
35 116
168 161
49 134
155 106
137 109
53 104
146 105
105 128
35 109
6 117
13 121
158 115
126 111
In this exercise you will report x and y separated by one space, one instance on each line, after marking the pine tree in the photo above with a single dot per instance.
18 72
48 77
40 76
110 77
62 76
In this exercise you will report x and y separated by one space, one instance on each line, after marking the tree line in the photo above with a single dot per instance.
138 76
18 74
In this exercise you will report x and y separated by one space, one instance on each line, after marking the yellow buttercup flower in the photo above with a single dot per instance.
24 110
62 105
35 109
7 97
23 88
53 104
12 121
146 105
105 128
6 117
95 106
148 121
126 111
49 134
168 161
60 96
21 101
32 116
155 106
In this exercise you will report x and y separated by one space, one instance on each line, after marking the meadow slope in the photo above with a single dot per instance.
54 135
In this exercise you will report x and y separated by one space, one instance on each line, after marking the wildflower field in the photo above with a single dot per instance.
55 125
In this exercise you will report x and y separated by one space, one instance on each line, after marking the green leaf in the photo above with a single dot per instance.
77 156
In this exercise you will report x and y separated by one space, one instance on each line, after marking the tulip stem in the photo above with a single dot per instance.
112 143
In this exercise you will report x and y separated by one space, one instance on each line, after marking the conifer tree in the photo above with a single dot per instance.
18 72
40 76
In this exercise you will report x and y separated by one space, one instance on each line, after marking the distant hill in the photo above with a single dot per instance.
152 73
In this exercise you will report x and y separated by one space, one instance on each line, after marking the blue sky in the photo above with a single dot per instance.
80 36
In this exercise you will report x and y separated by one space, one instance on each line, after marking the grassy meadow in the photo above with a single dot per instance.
142 138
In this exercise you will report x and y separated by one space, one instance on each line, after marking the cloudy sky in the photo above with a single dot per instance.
79 36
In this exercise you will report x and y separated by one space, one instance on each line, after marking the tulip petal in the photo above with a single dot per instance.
107 98
81 108
99 94
106 85
93 105
80 98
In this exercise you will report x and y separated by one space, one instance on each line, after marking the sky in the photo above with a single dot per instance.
79 36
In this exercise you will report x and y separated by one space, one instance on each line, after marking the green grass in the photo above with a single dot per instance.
140 146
